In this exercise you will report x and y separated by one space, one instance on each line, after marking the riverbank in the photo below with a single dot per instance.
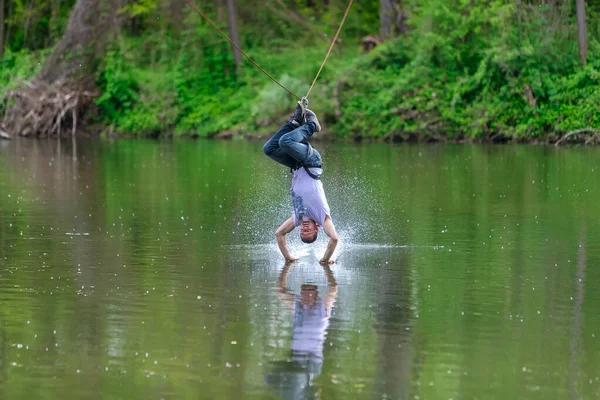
581 137
577 137
512 82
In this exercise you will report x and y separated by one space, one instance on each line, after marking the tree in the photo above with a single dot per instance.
52 101
89 25
581 31
1 29
386 16
233 30
392 19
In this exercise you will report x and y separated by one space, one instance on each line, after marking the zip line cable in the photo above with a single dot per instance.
238 48
330 47
305 98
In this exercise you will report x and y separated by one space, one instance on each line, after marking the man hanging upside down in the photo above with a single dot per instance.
311 211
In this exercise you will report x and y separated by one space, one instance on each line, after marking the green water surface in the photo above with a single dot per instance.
149 270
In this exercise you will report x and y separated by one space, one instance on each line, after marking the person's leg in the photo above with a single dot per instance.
274 150
291 143
314 160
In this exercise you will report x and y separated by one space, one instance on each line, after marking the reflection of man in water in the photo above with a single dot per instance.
311 319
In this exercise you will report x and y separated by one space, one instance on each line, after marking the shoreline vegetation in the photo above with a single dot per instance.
410 71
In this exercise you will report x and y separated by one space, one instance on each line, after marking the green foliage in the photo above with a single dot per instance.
140 7
33 25
225 110
473 70
120 90
273 100
464 69
18 66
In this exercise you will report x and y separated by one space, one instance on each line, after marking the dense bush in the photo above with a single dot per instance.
480 71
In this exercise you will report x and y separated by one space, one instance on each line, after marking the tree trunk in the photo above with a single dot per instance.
581 31
84 39
221 22
233 30
1 29
387 18
392 19
220 11
27 22
8 25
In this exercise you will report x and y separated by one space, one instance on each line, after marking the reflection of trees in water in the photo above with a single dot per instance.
59 196
147 206
393 325
2 362
575 345
28 182
293 378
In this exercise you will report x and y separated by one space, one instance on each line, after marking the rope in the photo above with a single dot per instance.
238 48
331 46
305 98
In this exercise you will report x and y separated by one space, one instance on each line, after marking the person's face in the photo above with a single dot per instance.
308 295
308 229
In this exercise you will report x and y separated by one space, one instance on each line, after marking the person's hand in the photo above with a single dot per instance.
291 259
326 262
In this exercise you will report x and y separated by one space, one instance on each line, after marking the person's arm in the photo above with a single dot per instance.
282 290
329 229
280 233
333 288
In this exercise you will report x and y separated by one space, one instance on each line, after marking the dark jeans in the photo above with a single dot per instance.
286 147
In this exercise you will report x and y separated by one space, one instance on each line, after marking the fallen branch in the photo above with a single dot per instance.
591 139
576 132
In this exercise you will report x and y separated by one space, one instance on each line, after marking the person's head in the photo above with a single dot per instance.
308 231
308 294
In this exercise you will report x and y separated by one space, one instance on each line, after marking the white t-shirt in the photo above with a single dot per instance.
308 197
310 328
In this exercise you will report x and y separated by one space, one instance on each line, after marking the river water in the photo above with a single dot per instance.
149 270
